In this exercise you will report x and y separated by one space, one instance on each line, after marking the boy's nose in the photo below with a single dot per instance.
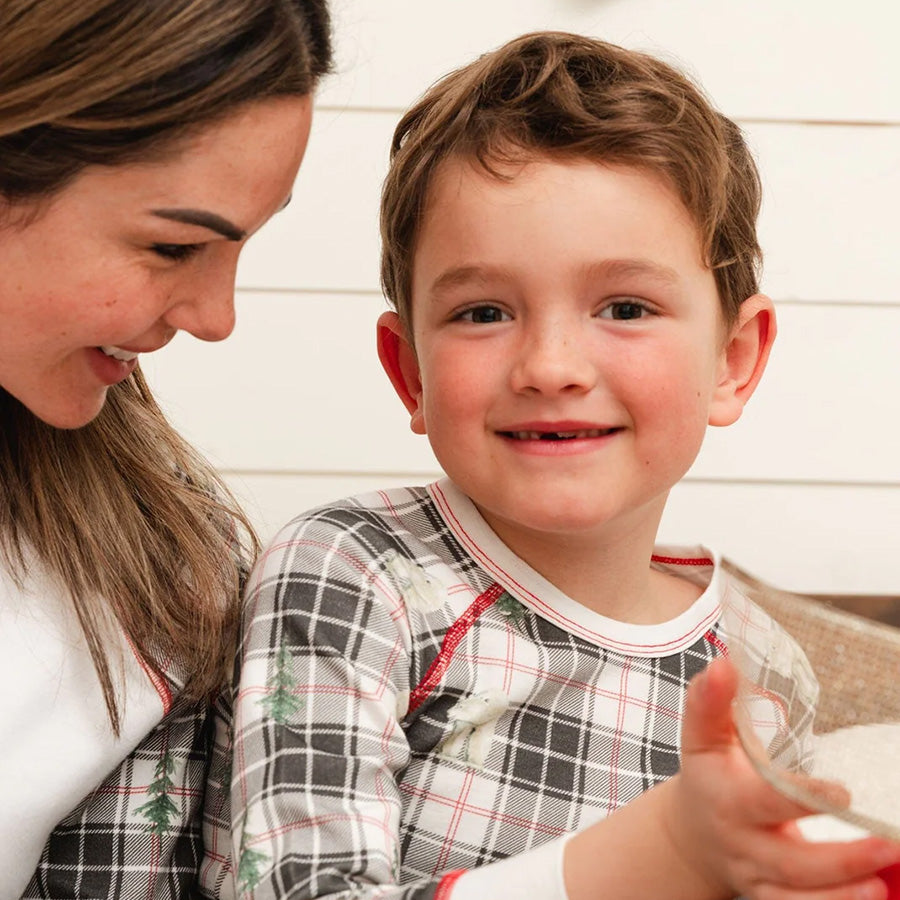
551 360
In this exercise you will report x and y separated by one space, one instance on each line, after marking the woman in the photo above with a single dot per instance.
141 143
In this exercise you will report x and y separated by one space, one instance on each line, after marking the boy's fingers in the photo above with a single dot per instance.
806 866
709 725
794 797
772 808
866 889
708 721
819 793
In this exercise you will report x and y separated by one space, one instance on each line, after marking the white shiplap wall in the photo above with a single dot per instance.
805 490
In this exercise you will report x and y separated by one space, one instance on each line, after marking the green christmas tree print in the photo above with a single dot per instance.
249 864
281 704
160 810
508 606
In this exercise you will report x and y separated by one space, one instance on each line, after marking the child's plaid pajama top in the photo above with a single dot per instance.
414 700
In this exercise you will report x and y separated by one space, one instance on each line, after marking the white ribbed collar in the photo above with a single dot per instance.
696 564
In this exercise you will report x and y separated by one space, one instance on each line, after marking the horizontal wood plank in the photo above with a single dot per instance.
298 388
802 59
805 490
828 225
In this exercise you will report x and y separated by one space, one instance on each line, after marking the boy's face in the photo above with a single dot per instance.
570 348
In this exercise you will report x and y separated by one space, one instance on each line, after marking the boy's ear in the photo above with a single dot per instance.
399 361
743 359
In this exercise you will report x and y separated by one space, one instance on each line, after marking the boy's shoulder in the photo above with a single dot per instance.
353 532
387 511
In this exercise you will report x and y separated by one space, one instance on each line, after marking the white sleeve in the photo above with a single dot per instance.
533 875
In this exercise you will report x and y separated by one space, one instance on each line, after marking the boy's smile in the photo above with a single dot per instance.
555 438
570 349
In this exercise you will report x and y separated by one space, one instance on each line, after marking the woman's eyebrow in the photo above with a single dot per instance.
204 219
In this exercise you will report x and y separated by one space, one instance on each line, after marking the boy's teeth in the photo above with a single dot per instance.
557 435
119 353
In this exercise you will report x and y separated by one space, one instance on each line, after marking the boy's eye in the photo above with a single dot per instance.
176 252
624 310
482 315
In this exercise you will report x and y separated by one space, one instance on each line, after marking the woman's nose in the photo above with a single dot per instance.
206 309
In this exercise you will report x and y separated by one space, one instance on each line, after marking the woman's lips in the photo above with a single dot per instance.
120 353
109 369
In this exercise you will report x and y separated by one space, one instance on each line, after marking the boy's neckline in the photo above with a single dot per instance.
696 566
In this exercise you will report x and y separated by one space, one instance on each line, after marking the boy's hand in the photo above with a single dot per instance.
727 822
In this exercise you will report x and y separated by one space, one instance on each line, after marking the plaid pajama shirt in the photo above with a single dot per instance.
414 700
106 848
143 833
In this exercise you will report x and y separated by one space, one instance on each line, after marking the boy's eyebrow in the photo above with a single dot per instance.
624 268
608 268
205 219
462 275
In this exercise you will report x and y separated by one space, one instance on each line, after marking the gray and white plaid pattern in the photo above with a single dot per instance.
403 715
138 835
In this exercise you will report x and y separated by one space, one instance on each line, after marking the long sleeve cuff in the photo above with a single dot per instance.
534 875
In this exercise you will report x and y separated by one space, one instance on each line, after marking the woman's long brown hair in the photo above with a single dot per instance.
132 523
136 527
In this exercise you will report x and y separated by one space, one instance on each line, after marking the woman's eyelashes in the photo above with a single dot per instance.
176 252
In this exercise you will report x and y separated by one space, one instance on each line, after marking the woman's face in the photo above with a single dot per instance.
124 257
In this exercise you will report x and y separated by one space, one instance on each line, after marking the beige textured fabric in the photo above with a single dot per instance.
856 660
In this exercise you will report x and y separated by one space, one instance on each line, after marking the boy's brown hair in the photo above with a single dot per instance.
567 96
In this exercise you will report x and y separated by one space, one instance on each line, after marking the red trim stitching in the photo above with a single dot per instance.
717 642
682 560
158 682
455 633
445 885
547 610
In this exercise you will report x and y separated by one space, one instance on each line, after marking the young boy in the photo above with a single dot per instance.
440 685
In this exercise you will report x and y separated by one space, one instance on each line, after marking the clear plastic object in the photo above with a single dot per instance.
819 705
